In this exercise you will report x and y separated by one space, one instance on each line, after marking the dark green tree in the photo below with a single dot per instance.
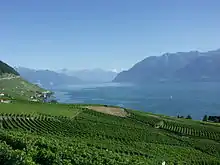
205 118
188 117
4 68
54 101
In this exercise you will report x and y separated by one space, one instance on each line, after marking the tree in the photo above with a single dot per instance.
54 101
5 68
205 118
188 117
216 120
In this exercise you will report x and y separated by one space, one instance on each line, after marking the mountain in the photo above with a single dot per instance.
5 68
94 75
203 68
184 66
47 78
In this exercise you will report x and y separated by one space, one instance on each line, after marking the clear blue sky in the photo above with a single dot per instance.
108 34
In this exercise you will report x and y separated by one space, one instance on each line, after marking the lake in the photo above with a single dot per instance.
196 99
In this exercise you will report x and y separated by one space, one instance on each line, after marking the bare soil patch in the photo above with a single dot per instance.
109 110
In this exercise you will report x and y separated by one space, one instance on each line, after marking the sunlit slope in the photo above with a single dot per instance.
73 134
18 87
13 86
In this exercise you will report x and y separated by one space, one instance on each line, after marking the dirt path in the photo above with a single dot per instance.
76 114
109 110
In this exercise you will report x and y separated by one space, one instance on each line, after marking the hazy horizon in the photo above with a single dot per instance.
110 35
73 70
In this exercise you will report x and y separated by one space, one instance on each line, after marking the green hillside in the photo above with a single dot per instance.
4 68
36 133
18 88
14 87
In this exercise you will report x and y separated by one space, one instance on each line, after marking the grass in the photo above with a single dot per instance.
175 119
19 88
26 107
90 137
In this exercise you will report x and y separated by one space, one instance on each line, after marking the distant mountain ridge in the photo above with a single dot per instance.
203 68
93 75
5 68
47 78
181 66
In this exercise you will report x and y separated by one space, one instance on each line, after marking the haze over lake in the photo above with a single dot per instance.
196 99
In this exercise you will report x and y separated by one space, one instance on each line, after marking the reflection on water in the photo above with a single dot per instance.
90 86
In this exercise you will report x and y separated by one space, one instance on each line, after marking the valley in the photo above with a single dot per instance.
47 133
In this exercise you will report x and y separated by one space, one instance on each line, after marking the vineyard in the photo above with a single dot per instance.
32 133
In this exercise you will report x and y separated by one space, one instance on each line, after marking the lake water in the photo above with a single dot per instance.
196 99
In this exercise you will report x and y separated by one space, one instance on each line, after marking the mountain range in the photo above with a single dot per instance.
93 75
46 78
181 66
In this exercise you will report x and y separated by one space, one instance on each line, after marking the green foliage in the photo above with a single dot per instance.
72 134
4 68
33 108
215 119
54 101
19 88
188 117
205 118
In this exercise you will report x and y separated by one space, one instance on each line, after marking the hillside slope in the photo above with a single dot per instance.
6 69
18 88
172 67
48 134
12 85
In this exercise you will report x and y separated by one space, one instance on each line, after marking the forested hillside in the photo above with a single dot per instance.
4 68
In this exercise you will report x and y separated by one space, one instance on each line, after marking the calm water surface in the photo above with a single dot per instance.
196 99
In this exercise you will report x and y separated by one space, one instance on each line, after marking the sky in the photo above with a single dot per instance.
107 34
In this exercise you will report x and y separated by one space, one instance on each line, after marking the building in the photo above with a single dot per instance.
5 101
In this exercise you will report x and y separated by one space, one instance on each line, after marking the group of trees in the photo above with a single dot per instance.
205 118
187 117
211 118
215 119
4 68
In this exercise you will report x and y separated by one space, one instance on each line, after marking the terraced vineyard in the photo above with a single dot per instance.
82 136
207 132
